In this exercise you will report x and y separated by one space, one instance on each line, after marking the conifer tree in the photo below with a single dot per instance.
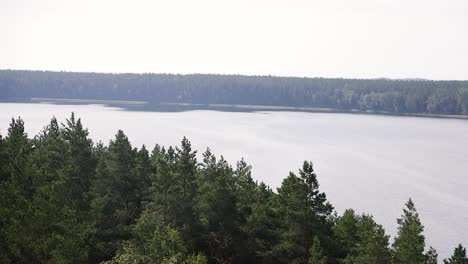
164 190
116 205
81 165
144 171
346 232
7 246
121 163
16 190
372 246
245 192
245 188
152 242
295 214
59 235
409 242
458 257
102 244
262 225
3 160
305 213
315 254
217 207
18 148
186 177
431 256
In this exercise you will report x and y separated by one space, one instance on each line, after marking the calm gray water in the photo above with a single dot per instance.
370 163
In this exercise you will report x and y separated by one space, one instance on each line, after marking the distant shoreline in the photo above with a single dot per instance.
179 107
85 101
171 92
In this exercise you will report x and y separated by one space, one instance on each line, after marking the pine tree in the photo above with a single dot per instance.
80 172
431 256
295 219
116 204
16 191
121 163
262 225
102 245
3 161
164 191
245 188
305 213
154 242
315 253
346 232
81 165
317 200
175 187
245 192
7 247
151 243
458 257
18 148
372 246
409 243
217 207
58 231
144 172
186 177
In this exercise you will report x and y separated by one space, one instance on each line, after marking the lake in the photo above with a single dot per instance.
371 163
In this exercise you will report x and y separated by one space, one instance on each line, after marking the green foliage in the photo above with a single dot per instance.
361 239
16 190
409 243
218 211
261 226
159 244
117 199
315 254
305 213
431 256
196 259
372 246
346 232
458 257
381 95
186 180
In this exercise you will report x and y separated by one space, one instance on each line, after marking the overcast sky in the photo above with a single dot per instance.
316 38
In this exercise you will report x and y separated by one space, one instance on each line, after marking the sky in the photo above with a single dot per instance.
313 38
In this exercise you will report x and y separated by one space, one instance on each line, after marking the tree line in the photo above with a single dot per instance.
378 95
66 199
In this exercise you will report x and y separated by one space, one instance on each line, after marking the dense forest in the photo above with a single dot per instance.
374 95
66 199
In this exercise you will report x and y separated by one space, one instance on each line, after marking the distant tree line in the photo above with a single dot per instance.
65 199
380 95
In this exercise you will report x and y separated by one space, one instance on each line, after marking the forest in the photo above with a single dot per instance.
407 96
67 199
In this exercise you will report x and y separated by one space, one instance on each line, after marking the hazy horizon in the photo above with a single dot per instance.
334 39
236 74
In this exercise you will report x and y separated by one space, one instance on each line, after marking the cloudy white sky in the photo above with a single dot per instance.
327 38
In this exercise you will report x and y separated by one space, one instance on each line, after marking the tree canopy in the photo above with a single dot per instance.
200 90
